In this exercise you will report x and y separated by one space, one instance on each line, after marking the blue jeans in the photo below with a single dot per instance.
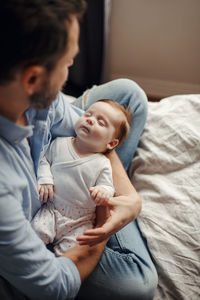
126 270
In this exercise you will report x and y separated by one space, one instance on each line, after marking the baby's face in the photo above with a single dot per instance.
97 126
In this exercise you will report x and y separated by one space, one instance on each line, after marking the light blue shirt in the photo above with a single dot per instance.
24 260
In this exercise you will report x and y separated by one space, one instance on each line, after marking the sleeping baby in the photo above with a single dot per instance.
75 175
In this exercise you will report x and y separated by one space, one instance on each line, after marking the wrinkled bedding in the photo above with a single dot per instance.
166 173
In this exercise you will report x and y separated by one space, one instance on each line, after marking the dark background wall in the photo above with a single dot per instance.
87 68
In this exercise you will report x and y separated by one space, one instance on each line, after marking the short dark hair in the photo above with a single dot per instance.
33 32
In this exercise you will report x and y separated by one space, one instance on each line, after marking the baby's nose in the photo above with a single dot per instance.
90 121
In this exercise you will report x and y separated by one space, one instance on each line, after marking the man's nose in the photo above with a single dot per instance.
90 121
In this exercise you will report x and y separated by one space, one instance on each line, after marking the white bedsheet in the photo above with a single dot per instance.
166 173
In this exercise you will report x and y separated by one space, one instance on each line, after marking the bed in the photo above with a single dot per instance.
166 173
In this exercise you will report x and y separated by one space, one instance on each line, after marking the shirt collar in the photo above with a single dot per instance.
13 133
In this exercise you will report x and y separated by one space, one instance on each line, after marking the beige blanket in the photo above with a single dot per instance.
166 173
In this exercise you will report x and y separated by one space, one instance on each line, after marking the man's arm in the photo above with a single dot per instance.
124 207
122 183
30 267
85 257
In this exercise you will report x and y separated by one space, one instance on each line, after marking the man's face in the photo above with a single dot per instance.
54 81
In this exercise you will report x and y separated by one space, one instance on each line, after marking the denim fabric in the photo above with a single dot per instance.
126 270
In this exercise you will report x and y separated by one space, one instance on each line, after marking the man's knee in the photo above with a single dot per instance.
135 288
142 289
130 91
121 287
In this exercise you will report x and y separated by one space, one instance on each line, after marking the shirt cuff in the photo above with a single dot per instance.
45 180
73 276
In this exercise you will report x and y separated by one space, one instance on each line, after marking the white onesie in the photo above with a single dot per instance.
72 210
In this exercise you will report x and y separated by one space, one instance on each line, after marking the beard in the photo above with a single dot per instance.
44 97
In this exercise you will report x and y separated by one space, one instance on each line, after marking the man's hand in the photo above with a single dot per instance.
99 195
117 213
46 192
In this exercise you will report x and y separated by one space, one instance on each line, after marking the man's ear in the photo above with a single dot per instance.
112 144
32 78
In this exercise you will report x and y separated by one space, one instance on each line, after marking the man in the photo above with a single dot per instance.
39 40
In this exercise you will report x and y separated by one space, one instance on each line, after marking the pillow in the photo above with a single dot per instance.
166 174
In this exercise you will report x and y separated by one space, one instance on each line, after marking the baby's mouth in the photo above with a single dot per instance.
85 128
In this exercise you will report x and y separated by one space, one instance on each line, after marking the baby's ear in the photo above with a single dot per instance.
112 144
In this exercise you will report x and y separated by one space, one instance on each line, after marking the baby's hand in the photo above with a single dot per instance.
46 192
99 195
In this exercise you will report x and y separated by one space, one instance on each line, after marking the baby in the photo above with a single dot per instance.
77 176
